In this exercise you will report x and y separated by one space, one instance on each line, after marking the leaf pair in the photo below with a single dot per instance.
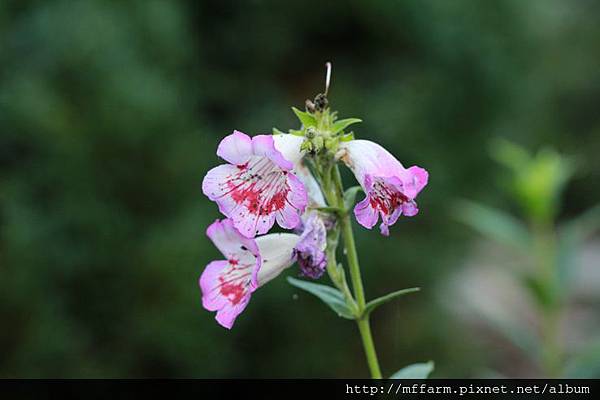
336 301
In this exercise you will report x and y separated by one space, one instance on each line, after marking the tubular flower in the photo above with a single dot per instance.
227 285
257 186
390 188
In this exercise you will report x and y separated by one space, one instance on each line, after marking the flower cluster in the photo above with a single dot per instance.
265 180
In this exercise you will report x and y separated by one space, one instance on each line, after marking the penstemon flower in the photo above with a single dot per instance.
390 188
294 179
227 285
257 187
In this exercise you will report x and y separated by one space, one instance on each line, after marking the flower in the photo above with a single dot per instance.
310 250
390 188
227 285
258 187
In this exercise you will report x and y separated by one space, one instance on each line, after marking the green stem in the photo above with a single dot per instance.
551 309
364 326
365 332
331 183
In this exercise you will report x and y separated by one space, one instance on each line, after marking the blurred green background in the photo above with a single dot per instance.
110 114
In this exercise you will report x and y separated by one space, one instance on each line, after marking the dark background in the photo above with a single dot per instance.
110 114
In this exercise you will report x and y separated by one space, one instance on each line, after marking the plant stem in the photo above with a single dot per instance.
364 326
551 309
333 189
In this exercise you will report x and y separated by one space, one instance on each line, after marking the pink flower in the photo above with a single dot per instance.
227 285
258 187
390 188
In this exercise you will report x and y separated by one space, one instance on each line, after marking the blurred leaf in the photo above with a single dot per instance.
570 239
540 291
509 154
586 223
342 124
586 364
415 371
350 196
329 295
567 252
537 180
494 224
305 118
521 337
373 304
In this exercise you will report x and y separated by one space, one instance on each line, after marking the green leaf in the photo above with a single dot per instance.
586 223
342 124
541 291
373 304
495 224
350 196
509 154
415 371
329 295
277 132
335 210
305 118
571 236
585 363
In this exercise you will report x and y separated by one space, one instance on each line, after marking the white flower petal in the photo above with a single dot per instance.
315 196
289 146
276 250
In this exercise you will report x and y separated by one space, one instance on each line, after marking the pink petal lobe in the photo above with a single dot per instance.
410 209
231 242
366 214
294 205
226 288
235 148
264 145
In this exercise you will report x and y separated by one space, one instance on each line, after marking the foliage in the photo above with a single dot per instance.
110 113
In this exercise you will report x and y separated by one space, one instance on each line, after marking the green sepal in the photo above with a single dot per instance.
342 124
306 146
305 118
328 295
297 132
347 137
